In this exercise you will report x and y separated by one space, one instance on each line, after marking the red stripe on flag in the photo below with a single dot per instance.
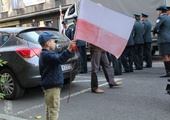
100 37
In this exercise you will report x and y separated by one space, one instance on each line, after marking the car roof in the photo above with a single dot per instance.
13 29
22 29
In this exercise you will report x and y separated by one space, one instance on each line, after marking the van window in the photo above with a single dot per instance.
71 10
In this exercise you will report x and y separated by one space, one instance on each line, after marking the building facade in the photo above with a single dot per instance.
26 13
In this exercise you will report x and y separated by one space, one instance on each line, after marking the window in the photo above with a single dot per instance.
7 39
4 5
3 38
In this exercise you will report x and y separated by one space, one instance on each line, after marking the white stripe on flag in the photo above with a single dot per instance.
103 27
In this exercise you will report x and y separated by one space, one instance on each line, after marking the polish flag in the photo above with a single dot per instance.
103 27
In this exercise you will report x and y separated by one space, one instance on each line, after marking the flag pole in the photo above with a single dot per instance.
61 19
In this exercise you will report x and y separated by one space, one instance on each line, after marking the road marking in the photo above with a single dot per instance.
8 117
101 79
81 92
63 98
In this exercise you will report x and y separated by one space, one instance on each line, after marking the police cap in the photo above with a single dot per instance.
48 21
162 7
136 16
75 16
144 15
168 8
64 22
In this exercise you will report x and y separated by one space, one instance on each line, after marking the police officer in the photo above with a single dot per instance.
48 23
147 40
168 11
66 30
138 41
162 28
127 55
81 48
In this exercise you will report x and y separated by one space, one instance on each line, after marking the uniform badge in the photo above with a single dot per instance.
157 20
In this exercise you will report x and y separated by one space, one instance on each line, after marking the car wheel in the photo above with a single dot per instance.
10 86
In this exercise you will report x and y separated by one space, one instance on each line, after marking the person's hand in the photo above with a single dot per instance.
71 45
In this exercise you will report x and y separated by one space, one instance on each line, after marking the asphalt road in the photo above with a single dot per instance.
141 97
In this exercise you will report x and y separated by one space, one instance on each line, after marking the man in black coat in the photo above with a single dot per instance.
66 30
138 41
147 40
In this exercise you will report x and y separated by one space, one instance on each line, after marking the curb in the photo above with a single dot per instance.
9 117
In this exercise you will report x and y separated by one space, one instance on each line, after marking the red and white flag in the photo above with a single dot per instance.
103 27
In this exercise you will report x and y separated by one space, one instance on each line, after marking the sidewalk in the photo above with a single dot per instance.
8 117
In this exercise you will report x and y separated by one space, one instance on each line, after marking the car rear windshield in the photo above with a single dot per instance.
32 36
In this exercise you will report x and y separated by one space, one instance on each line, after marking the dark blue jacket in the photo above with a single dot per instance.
51 63
138 32
147 31
162 27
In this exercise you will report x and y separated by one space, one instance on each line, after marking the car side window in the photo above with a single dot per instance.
3 38
7 39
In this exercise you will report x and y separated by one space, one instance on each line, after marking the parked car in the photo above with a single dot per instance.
20 48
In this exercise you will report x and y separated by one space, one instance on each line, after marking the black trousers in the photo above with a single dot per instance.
148 54
138 56
116 63
83 58
97 59
127 58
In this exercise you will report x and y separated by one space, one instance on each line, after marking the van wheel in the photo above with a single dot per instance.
10 86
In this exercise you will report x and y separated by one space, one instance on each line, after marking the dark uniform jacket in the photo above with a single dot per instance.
147 31
138 32
162 28
78 42
50 68
68 33
131 41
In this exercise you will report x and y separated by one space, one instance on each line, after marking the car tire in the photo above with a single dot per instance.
10 87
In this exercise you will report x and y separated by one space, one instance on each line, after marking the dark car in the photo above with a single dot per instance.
20 48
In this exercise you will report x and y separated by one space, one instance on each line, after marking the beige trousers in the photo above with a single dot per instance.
52 99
